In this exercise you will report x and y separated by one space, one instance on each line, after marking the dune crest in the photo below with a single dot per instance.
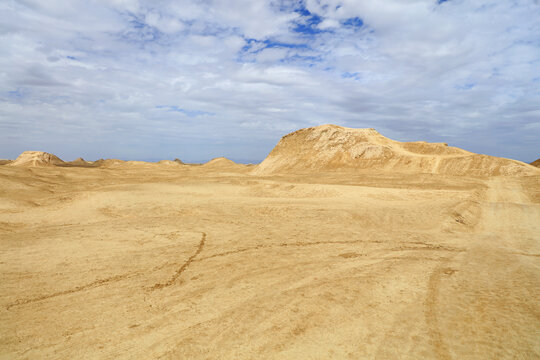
220 162
79 162
37 158
332 147
109 163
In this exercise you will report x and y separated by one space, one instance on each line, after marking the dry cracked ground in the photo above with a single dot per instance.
192 263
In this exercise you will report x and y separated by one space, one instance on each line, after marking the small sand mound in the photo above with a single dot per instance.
78 161
109 163
98 162
220 162
536 163
332 147
5 161
37 158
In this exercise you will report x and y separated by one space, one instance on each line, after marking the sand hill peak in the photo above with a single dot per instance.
332 147
37 158
220 162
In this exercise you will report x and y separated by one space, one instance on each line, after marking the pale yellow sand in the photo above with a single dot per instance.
186 263
145 261
330 147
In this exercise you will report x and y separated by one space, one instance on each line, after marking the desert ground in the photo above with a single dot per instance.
227 261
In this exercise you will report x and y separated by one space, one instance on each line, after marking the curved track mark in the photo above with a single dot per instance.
184 266
105 281
93 284
424 246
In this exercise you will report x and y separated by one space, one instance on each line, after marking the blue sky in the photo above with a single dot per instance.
194 80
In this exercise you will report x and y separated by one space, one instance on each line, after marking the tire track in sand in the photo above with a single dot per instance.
413 245
93 284
115 278
184 266
430 310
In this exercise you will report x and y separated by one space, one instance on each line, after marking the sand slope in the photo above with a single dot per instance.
536 163
332 147
36 158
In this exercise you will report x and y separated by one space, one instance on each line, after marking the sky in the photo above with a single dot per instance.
151 80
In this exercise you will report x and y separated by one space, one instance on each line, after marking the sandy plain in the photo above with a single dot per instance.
195 262
134 260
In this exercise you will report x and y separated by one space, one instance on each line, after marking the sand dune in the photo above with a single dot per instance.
220 162
224 164
39 158
109 163
332 147
36 158
79 161
536 163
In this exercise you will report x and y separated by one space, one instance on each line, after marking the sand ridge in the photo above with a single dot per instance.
222 163
332 147
36 158
79 161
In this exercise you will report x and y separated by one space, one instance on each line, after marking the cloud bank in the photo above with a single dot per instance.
151 80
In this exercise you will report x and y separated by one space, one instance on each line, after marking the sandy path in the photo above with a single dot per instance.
483 303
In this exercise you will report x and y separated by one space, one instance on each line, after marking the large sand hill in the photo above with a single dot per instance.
322 260
36 158
331 147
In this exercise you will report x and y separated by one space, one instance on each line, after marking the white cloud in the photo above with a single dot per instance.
80 78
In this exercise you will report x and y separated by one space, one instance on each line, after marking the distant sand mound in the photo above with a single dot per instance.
221 163
36 158
109 163
79 162
536 163
332 147
5 161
